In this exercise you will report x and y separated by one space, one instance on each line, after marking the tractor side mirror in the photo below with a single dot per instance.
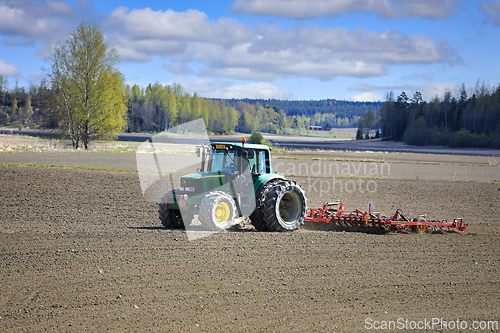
198 151
250 154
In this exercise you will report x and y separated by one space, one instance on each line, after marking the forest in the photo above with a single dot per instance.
456 121
159 107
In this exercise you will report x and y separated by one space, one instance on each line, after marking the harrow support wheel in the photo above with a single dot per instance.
420 229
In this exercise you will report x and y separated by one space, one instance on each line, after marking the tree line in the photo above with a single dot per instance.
23 108
337 113
297 117
457 121
159 107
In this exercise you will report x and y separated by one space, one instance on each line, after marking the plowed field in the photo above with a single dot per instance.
82 250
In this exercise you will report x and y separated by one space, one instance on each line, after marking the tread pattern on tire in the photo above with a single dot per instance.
207 207
168 219
167 216
256 218
271 199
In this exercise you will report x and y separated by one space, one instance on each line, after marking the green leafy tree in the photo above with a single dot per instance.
29 110
15 109
3 90
256 137
88 88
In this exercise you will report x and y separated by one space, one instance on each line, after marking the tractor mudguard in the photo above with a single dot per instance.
262 180
172 199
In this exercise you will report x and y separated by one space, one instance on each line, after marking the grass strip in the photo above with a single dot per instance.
67 167
279 157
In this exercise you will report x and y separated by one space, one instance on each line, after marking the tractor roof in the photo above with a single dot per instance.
239 145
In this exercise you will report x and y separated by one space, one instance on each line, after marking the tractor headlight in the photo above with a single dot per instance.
181 189
190 189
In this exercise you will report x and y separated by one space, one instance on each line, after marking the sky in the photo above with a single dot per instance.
356 50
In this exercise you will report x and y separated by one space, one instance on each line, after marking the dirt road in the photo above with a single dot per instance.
82 250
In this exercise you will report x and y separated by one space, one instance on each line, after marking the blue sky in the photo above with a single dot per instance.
284 49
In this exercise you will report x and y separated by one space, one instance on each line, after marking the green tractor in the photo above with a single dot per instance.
235 180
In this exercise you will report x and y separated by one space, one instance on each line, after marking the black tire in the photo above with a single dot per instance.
284 206
217 211
256 217
170 218
258 221
419 229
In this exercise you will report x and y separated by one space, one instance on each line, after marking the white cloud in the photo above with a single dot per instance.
428 91
230 49
261 90
307 9
32 20
8 69
26 22
178 69
491 11
191 25
365 97
223 89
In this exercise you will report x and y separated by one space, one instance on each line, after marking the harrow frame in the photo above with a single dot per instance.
354 219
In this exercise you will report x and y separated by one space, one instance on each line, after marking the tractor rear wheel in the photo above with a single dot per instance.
284 206
170 218
256 218
217 211
257 221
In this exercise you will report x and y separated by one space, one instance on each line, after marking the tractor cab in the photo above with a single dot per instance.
235 158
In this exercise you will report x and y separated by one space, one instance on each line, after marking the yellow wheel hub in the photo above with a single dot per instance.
422 228
222 212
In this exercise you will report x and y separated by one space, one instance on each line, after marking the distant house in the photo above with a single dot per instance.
320 128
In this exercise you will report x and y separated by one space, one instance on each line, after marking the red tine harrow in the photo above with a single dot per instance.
369 221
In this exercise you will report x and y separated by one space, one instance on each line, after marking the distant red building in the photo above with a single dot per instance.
320 128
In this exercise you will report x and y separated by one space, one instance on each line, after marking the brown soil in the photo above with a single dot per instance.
82 250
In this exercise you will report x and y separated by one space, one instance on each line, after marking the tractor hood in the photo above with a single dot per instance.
196 185
206 174
201 183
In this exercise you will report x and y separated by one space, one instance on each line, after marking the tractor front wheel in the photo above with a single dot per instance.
217 211
284 206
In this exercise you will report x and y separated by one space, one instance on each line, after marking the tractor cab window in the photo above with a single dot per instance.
262 162
224 160
252 164
258 164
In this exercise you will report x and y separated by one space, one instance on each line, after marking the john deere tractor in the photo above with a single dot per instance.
235 180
